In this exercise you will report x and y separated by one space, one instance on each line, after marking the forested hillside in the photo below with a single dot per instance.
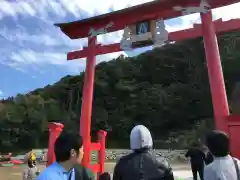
165 89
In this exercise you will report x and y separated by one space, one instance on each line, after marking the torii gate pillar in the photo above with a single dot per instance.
55 130
86 111
215 74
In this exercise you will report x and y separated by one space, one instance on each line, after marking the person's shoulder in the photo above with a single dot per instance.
210 171
162 161
79 169
126 158
210 167
159 161
48 173
238 161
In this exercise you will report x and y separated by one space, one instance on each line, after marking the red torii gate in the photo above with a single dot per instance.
149 11
196 31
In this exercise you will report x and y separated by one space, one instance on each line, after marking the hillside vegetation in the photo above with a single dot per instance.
165 89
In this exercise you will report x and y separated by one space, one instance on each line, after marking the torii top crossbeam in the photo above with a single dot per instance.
152 10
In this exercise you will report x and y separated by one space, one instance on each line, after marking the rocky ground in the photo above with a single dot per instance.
115 154
170 155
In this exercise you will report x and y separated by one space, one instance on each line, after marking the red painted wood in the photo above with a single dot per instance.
215 74
147 11
55 130
99 50
86 110
95 146
220 26
94 167
101 153
234 129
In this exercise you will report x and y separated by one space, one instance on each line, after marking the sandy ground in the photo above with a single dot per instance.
15 173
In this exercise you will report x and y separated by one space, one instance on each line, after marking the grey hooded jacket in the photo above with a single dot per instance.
141 164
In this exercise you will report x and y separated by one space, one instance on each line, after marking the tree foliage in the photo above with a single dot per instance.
166 89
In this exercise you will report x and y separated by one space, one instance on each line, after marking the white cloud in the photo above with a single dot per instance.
61 8
29 57
40 8
46 38
32 57
1 94
228 12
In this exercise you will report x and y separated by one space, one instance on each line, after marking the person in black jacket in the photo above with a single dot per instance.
208 155
197 159
141 164
209 158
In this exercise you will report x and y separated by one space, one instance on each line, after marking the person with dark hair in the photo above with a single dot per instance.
224 167
141 163
69 152
197 159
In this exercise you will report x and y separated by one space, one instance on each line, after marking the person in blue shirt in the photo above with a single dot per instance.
69 152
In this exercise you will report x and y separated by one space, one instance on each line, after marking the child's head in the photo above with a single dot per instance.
105 176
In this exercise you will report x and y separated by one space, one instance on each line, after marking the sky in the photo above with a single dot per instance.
33 51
